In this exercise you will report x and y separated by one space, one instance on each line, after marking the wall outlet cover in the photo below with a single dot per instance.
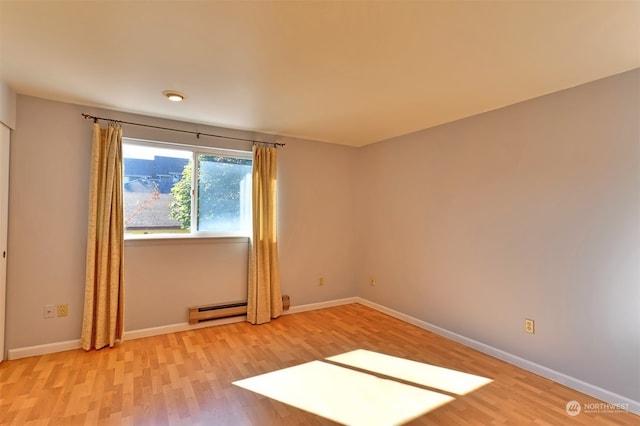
49 311
530 326
63 310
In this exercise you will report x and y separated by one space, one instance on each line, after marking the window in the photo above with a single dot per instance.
176 189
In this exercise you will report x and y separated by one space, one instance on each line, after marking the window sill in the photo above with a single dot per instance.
142 239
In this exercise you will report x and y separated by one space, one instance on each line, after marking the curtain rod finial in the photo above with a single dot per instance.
86 116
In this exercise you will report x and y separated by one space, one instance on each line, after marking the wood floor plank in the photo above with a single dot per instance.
186 378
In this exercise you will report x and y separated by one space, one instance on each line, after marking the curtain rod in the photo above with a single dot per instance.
198 134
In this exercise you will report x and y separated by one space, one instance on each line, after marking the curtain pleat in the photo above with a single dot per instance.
103 319
264 293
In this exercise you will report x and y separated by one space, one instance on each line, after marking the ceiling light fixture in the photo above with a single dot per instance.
173 96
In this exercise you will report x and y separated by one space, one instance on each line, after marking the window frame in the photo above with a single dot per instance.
195 150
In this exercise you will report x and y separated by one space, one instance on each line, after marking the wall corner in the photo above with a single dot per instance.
8 101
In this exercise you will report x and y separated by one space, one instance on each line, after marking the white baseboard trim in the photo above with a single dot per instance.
165 329
181 326
556 376
47 348
68 345
184 326
571 382
321 305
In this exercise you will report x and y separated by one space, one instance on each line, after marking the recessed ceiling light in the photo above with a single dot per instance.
173 95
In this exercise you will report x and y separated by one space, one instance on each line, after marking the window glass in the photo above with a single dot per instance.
224 193
159 186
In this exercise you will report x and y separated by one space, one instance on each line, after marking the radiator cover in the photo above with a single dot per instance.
202 313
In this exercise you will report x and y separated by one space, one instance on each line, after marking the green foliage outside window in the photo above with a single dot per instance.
180 209
220 188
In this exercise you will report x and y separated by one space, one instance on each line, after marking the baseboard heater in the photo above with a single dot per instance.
202 313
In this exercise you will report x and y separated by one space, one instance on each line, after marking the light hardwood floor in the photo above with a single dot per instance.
185 378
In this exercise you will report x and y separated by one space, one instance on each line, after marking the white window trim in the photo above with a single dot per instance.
195 150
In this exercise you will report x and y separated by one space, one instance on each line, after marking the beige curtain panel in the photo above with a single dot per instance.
102 322
264 293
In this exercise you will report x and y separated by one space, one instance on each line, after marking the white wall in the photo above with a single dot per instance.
528 211
165 277
48 217
7 106
48 187
531 211
316 221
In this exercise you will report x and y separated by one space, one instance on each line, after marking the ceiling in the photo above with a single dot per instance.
350 73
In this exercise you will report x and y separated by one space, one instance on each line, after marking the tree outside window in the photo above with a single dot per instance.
159 185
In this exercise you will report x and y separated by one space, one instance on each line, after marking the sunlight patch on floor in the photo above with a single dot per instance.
444 379
344 395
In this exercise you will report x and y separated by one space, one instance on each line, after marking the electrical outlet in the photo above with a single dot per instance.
373 282
530 326
321 281
63 310
49 311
